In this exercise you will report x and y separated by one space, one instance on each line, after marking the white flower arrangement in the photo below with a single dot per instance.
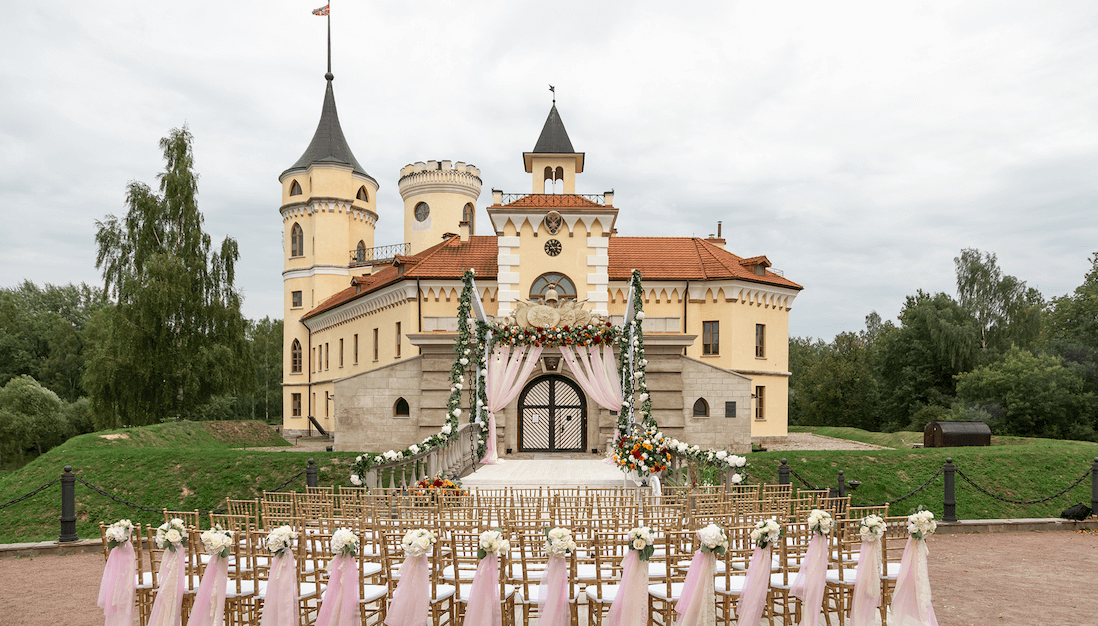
344 542
921 524
171 535
820 521
356 480
641 540
713 539
119 533
559 542
217 541
871 527
493 542
418 542
280 539
766 533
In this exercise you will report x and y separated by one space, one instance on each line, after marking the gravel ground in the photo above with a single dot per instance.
1024 579
808 441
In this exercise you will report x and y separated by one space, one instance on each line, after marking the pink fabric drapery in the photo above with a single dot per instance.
697 604
485 605
280 603
811 580
506 374
167 609
340 604
412 597
596 373
630 605
209 603
553 594
753 596
911 600
867 585
119 586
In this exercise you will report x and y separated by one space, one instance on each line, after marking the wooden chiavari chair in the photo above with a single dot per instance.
463 547
442 608
608 549
837 507
528 570
778 496
248 508
191 519
813 495
242 585
743 492
843 569
731 571
667 569
278 509
893 544
791 554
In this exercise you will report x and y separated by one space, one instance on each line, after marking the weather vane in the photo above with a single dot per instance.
325 11
554 90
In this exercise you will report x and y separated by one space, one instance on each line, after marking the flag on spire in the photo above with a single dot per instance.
322 11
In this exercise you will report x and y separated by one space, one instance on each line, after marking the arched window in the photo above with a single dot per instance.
360 252
701 408
401 409
297 241
469 215
362 195
295 188
295 357
566 290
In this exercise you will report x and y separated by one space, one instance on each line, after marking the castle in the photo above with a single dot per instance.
369 330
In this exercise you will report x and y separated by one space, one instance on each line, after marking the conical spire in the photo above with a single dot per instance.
328 144
554 139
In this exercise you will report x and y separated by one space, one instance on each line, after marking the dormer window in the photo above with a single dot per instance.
760 269
295 188
362 195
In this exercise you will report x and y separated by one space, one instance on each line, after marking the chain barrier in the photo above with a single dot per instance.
25 496
798 476
291 479
991 495
910 493
116 498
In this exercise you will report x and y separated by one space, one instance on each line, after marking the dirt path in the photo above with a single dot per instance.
1023 579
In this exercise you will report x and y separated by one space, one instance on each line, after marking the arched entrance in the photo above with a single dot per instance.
552 416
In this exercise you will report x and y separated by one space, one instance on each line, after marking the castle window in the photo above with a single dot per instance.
711 337
398 337
295 299
760 403
360 252
760 341
563 285
362 195
401 408
295 358
701 408
341 351
295 405
469 216
422 212
297 241
295 188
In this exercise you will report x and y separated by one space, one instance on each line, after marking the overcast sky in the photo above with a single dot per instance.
860 146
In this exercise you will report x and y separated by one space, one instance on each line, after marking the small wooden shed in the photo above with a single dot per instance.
952 434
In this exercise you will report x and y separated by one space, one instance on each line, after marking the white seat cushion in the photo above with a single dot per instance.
467 590
515 572
371 593
892 570
442 592
777 581
467 572
369 569
609 592
537 591
848 576
305 590
586 571
660 591
657 569
733 586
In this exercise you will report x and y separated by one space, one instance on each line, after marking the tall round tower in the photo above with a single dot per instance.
439 197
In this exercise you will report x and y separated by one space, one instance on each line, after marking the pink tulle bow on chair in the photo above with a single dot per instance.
167 609
412 597
485 605
280 602
867 585
630 606
119 586
209 602
340 604
811 580
753 597
553 609
697 604
911 600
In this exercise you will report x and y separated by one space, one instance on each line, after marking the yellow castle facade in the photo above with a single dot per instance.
369 330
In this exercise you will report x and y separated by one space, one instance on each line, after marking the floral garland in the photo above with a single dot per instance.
642 452
634 390
597 333
720 459
438 486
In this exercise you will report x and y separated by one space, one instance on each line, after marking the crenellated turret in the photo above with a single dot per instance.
439 197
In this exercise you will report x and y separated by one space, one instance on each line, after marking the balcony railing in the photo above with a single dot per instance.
597 198
379 255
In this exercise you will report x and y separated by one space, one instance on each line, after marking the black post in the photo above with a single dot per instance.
842 485
310 474
1094 486
950 501
68 507
783 473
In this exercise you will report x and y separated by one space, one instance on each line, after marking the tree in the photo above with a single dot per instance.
32 417
1007 313
174 336
841 386
1073 326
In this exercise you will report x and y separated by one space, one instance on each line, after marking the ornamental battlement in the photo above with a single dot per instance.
416 175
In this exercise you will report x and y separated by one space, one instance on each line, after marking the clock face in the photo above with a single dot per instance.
422 211
552 247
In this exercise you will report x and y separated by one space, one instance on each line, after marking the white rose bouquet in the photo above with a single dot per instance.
280 539
820 521
641 540
217 541
871 528
921 524
418 542
171 535
767 532
493 542
559 542
344 543
713 539
119 533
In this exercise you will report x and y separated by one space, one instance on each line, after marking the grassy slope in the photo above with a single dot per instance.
1013 467
181 466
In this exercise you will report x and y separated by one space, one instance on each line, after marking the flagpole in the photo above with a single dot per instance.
329 40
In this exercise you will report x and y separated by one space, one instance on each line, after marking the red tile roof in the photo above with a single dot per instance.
557 200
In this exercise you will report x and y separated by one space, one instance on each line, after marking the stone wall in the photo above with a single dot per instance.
365 416
717 386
